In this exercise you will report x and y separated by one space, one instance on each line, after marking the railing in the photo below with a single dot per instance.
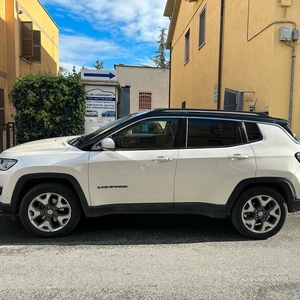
7 135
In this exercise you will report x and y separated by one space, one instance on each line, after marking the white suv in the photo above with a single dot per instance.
213 163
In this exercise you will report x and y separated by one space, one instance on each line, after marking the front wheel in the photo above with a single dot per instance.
259 213
50 210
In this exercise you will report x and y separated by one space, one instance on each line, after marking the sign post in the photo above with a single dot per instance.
100 86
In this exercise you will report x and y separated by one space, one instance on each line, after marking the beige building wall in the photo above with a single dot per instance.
3 58
253 60
12 13
145 80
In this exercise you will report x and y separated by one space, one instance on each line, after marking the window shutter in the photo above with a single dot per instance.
202 27
36 46
26 40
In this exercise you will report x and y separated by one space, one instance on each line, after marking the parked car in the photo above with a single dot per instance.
220 164
91 113
109 113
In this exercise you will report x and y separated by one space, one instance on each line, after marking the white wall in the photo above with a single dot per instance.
147 80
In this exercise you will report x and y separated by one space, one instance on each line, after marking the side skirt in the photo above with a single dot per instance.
205 209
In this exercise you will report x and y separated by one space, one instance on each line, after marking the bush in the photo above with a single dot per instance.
48 106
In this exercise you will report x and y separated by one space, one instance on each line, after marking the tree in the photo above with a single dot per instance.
63 71
160 59
48 106
99 65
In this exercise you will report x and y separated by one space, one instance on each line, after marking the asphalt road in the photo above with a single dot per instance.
150 257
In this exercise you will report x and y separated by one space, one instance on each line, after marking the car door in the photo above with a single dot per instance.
214 161
140 170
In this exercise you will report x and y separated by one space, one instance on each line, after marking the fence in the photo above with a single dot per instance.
7 135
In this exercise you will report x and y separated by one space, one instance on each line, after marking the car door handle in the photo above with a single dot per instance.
238 156
161 159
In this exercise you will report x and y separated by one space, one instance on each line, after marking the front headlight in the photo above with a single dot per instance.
6 163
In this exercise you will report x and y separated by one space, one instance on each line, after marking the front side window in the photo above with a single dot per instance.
147 134
213 133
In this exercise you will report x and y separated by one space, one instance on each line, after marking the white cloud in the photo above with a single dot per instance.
137 20
123 31
79 50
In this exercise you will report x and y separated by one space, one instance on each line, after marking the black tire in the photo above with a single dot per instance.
259 213
50 210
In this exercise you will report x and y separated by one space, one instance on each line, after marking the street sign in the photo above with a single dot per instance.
103 75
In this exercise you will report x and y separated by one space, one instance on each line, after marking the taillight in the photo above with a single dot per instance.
297 155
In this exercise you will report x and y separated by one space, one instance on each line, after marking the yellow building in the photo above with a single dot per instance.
235 54
28 44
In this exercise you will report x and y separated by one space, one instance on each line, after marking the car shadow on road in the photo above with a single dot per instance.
129 230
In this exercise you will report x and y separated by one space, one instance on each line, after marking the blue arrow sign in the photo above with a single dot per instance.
109 75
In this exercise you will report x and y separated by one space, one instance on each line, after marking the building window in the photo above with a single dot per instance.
145 100
187 47
30 42
202 21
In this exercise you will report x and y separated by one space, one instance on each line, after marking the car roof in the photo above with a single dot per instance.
186 113
226 114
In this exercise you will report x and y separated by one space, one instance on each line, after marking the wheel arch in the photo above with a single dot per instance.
27 182
281 185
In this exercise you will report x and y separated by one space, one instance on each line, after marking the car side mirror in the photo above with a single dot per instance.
108 144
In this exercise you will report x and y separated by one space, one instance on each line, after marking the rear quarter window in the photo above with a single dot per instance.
253 132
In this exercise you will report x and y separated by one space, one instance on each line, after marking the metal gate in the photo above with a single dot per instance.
7 135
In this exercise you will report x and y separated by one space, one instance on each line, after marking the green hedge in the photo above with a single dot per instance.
48 106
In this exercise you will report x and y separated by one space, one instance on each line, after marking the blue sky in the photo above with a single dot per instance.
112 31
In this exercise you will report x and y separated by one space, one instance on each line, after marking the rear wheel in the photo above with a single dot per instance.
259 213
50 210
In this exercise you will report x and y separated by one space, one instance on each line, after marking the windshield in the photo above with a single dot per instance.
106 127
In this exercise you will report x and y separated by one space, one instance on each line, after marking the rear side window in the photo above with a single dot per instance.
253 132
213 133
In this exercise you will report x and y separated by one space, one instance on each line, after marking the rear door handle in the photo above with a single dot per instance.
161 159
238 156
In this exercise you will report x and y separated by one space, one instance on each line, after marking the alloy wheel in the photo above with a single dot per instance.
261 213
49 212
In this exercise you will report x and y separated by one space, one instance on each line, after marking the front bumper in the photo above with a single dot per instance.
294 206
7 208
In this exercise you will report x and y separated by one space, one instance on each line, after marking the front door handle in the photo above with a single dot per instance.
238 156
161 159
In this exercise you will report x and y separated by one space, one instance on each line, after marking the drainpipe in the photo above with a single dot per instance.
170 77
292 85
220 53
